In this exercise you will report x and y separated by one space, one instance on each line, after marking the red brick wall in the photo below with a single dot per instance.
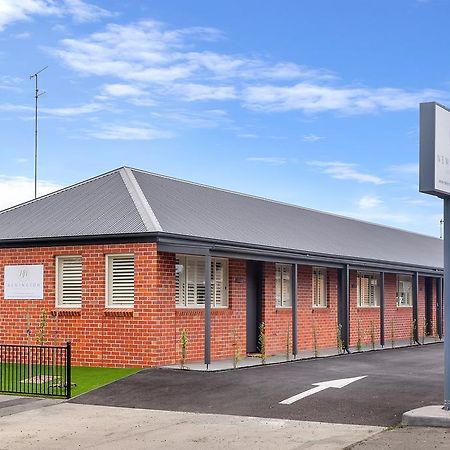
149 334
277 321
322 320
101 336
223 321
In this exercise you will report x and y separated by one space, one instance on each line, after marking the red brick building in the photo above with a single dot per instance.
117 265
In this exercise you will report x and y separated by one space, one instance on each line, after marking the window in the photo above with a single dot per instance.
68 281
368 289
404 290
283 286
120 280
319 287
190 282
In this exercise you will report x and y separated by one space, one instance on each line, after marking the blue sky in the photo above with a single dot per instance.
308 102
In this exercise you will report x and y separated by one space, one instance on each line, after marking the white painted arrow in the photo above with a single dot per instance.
337 384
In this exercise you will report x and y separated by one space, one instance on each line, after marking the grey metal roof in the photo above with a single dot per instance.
95 207
131 201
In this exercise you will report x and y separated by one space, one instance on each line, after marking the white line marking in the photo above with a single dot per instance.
337 384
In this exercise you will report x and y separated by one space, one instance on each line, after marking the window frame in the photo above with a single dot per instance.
279 303
410 280
108 278
325 287
372 275
58 285
225 280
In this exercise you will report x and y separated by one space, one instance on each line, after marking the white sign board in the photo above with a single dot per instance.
25 282
434 177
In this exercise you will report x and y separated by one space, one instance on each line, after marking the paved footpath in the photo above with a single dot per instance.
415 438
72 426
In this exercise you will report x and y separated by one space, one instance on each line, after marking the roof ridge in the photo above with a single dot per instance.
279 202
143 207
64 189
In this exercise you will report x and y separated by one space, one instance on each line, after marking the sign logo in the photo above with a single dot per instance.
24 282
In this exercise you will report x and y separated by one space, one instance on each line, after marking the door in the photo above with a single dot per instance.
429 306
254 303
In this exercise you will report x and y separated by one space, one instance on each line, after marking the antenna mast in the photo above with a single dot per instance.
36 96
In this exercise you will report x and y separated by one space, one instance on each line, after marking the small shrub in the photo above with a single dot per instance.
236 352
314 337
372 335
184 346
392 334
359 341
288 344
262 342
339 343
412 332
424 331
41 329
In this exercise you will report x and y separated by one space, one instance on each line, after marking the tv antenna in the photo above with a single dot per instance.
36 97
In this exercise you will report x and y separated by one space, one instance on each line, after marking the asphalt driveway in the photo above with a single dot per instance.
395 381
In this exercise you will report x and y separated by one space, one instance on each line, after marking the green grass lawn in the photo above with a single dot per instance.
84 378
88 378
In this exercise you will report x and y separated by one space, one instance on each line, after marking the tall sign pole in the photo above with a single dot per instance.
36 97
434 179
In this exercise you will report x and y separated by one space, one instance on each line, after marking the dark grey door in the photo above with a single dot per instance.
254 300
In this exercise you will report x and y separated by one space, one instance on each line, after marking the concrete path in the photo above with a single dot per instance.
72 426
410 438
12 404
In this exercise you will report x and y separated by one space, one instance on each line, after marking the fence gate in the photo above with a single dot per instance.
36 369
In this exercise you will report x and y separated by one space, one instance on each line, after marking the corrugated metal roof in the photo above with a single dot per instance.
131 201
99 206
191 209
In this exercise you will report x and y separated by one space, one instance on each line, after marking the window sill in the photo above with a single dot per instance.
320 308
116 312
195 311
283 308
404 306
62 311
368 307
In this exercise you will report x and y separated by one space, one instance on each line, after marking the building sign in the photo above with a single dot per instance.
434 177
24 282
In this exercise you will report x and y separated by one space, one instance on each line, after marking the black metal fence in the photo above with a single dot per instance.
36 369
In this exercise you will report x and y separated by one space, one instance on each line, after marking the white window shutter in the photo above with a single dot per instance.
121 280
286 285
70 281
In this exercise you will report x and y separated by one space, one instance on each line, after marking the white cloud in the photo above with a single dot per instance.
122 90
311 97
272 160
24 35
23 10
85 12
174 63
369 202
408 168
15 190
71 111
312 138
68 111
347 171
209 118
248 136
195 92
121 132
